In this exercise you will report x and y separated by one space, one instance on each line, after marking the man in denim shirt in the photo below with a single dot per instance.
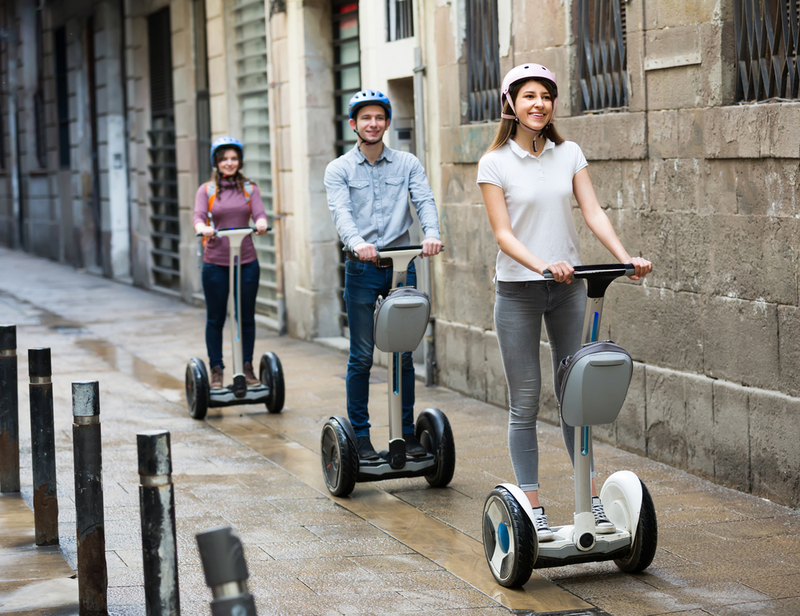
368 190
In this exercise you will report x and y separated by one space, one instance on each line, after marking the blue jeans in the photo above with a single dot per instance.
215 287
363 283
518 311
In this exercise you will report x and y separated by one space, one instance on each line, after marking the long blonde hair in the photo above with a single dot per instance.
508 128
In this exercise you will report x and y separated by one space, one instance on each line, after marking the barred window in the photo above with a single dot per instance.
62 96
38 95
399 19
483 60
767 49
602 54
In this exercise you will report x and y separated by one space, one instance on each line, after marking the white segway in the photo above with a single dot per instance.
400 322
593 386
199 396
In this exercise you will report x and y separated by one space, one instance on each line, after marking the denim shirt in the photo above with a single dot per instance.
369 202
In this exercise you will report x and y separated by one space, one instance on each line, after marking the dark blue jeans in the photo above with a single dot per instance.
215 287
363 283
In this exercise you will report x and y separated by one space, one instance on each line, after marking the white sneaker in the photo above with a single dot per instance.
602 524
540 525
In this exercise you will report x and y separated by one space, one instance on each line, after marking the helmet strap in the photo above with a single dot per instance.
519 122
367 141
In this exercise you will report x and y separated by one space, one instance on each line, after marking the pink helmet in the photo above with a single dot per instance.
524 72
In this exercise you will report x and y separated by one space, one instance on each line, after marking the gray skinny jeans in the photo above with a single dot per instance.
518 312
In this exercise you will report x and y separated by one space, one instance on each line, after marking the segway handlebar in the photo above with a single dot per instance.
613 270
598 277
397 249
218 232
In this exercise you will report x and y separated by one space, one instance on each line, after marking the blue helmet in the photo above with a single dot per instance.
369 97
227 141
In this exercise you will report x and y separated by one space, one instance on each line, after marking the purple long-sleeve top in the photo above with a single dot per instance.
230 210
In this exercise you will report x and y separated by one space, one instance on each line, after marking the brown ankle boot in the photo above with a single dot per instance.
249 376
216 377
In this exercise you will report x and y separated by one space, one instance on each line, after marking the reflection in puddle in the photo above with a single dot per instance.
129 364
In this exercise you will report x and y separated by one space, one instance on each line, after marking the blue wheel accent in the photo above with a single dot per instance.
503 539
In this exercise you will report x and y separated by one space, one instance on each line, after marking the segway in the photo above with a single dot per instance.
593 386
401 319
199 395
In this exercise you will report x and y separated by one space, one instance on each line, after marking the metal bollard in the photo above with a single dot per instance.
89 521
157 510
43 447
9 410
226 572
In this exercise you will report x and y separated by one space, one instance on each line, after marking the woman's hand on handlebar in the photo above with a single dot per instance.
261 226
561 270
206 231
431 246
643 267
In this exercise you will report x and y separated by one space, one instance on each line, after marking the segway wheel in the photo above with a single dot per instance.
270 373
509 540
434 433
197 388
645 541
339 459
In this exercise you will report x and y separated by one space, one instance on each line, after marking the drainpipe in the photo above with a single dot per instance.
9 35
429 342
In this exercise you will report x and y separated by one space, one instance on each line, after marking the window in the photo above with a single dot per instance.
399 19
62 96
483 61
202 97
767 49
38 95
602 54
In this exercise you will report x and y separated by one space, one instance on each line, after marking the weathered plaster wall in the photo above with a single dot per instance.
708 190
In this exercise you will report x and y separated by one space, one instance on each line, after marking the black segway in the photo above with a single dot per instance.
593 385
199 395
400 322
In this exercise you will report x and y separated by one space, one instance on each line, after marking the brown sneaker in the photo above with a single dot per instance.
249 376
216 377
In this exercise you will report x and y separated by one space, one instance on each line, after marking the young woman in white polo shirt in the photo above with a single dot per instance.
527 178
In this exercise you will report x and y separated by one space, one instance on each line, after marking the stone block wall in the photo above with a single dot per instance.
705 188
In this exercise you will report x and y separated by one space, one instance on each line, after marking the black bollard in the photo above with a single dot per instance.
157 510
89 520
226 572
43 448
9 410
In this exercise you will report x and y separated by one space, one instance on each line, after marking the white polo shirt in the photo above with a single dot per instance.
537 193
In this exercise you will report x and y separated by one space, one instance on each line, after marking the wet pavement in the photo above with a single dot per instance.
393 547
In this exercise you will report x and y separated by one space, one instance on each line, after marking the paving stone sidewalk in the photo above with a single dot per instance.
721 553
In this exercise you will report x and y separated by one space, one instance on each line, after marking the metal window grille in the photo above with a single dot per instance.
202 97
250 35
164 221
346 82
602 54
483 60
62 96
767 42
3 91
399 19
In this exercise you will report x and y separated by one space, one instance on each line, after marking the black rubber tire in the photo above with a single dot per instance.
510 552
434 432
197 388
645 541
270 373
339 459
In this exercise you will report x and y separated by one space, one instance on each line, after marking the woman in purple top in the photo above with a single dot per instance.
230 207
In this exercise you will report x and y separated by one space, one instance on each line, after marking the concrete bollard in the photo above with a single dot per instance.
89 520
9 410
43 447
157 510
226 572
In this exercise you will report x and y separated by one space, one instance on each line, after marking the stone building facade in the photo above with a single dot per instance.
695 176
109 106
